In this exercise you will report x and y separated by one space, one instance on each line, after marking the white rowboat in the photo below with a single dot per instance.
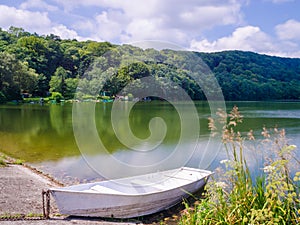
132 196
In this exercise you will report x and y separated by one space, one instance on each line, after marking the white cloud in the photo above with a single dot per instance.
211 15
290 30
248 38
31 21
34 22
168 20
176 21
102 26
64 32
38 4
84 25
110 24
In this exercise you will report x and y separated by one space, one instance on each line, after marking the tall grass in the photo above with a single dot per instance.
235 197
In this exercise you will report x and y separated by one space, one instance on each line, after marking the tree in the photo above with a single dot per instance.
32 49
53 54
133 71
57 82
71 86
71 57
31 61
42 87
26 79
18 32
96 49
15 77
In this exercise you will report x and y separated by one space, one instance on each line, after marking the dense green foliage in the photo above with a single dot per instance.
35 65
251 76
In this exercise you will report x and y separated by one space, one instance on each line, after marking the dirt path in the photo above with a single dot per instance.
20 190
20 196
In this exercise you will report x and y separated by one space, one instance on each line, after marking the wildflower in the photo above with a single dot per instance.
221 184
250 135
268 169
211 124
235 116
282 133
265 133
212 127
224 161
222 116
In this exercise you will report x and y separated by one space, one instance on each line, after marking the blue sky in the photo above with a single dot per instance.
265 26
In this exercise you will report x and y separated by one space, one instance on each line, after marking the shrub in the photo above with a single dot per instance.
3 161
56 96
19 162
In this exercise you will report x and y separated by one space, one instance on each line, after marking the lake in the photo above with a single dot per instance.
73 147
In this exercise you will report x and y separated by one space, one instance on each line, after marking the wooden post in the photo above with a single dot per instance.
46 204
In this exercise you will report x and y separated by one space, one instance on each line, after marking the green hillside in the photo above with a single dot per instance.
251 76
34 65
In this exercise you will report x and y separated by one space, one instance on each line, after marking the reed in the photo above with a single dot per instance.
235 196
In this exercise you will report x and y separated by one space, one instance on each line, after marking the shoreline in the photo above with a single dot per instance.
21 187
38 173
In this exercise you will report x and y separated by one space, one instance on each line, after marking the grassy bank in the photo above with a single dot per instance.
5 160
235 196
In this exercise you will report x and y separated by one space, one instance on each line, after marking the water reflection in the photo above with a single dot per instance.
37 133
43 136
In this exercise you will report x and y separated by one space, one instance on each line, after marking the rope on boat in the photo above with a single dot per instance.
46 203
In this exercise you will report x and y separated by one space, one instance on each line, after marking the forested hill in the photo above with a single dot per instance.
252 76
34 65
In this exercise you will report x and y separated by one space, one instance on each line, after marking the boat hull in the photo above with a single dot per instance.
122 205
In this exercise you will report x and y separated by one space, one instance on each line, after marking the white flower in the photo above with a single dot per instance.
221 185
224 161
268 169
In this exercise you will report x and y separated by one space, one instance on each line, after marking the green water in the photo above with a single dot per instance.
44 136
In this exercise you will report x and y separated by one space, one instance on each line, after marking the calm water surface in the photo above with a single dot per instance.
43 136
